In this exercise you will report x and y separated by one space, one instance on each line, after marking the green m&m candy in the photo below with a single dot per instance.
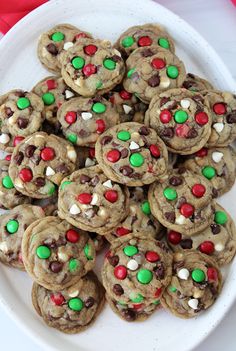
72 138
220 217
172 72
22 103
78 62
123 135
43 252
130 250
98 107
198 275
57 36
208 172
145 207
88 251
144 276
164 43
64 184
109 64
73 265
127 42
76 304
48 99
52 189
12 226
136 298
172 288
157 302
7 182
180 116
170 194
136 160
99 84
130 72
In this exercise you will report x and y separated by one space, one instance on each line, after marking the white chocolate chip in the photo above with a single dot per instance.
89 213
86 115
127 109
218 127
49 171
135 136
44 52
183 273
62 256
107 184
219 247
3 247
71 154
133 145
132 265
78 82
117 52
95 199
18 183
11 120
102 213
4 138
165 82
73 293
69 94
217 156
193 303
74 209
198 294
180 219
89 162
185 103
68 45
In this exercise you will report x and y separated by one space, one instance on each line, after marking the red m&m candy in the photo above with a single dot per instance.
92 152
51 84
101 126
144 41
111 195
158 63
187 210
219 108
8 158
201 118
202 152
47 154
26 175
174 237
165 116
113 155
120 272
212 274
90 49
72 236
198 190
158 292
207 247
120 231
89 69
17 140
81 35
152 256
125 95
57 299
70 117
154 149
84 198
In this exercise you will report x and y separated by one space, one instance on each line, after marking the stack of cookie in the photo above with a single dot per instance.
120 145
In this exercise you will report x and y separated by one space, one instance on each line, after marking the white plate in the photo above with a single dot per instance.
20 68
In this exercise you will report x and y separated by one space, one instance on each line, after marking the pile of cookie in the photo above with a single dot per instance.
120 145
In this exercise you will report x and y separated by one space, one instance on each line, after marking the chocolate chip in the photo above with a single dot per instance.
213 290
182 170
144 131
54 111
36 159
159 270
52 49
20 93
39 182
116 58
186 243
8 112
164 100
163 246
94 181
201 285
154 81
190 75
178 265
56 266
182 200
83 133
214 193
170 216
192 133
133 219
113 260
231 117
135 175
118 290
29 150
84 179
126 170
105 140
189 84
175 181
22 122
124 153
19 158
172 105
95 99
168 132
62 168
215 228
147 53
198 98
89 302
129 314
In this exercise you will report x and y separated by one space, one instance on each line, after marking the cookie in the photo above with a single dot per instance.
55 254
223 111
196 84
39 163
218 240
152 70
54 92
136 269
9 196
181 118
92 67
90 201
143 36
129 107
56 40
12 227
84 119
137 312
85 157
70 310
139 218
132 154
195 284
182 202
20 116
217 164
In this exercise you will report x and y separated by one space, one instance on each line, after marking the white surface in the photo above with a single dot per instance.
217 12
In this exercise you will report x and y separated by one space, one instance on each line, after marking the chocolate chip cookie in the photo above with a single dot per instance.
39 163
20 116
91 201
132 154
183 202
151 71
84 119
196 84
143 36
55 254
92 67
181 118
70 310
195 284
12 227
